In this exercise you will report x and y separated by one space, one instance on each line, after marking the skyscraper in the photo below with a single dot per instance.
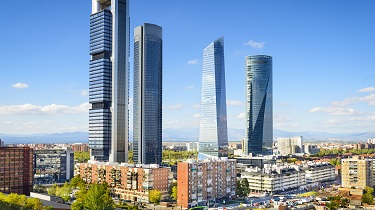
213 136
258 104
109 75
147 97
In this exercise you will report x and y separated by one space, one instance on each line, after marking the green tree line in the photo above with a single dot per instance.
15 201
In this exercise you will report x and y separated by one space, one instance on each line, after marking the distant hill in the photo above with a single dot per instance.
186 134
66 137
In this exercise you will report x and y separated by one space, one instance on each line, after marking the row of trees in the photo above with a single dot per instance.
66 190
179 155
15 202
326 152
170 155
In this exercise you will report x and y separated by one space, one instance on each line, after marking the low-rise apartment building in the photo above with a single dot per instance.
128 181
274 178
204 182
317 172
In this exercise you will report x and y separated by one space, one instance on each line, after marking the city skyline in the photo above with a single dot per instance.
323 67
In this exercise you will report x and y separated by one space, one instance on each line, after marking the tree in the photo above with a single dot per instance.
52 189
64 192
174 193
368 197
369 190
81 157
77 181
154 196
335 161
95 198
243 189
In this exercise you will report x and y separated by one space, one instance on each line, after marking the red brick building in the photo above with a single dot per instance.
16 170
80 147
128 181
204 182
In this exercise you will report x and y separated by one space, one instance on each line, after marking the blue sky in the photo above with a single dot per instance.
323 67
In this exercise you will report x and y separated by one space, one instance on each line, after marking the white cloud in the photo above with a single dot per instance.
49 109
196 106
241 115
286 125
84 93
193 62
345 102
189 87
176 106
370 99
197 115
338 111
20 85
254 44
281 118
366 90
234 103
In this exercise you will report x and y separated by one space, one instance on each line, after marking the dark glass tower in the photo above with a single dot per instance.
147 97
108 93
258 111
213 136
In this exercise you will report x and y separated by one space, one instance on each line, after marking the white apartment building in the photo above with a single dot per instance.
371 141
290 146
192 146
317 172
277 178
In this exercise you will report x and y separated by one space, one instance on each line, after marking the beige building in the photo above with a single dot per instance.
357 172
128 181
204 182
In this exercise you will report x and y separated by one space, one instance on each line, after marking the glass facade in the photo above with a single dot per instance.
259 128
213 136
53 165
108 91
147 97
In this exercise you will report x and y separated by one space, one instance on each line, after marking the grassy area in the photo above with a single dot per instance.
311 193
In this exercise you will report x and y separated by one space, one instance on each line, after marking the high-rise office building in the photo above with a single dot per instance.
213 136
258 104
109 75
147 97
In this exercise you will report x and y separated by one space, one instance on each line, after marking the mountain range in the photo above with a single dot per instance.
186 134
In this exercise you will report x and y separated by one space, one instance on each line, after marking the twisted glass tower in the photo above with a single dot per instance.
147 104
258 104
108 91
213 136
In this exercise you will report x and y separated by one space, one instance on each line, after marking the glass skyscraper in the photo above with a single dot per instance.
109 75
213 135
259 129
147 97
